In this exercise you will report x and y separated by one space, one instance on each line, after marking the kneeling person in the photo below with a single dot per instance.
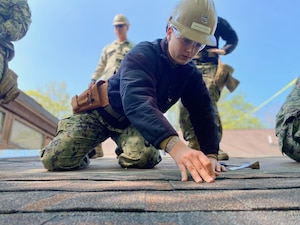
153 76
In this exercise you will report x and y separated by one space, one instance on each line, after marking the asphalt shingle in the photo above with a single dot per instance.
104 193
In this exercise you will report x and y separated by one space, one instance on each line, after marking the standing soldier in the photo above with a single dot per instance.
216 75
15 19
111 58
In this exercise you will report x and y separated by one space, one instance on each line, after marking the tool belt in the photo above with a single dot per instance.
94 97
224 77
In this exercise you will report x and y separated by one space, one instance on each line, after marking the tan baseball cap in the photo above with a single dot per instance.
120 19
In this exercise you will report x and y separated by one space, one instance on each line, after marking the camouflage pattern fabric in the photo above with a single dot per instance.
137 152
208 71
9 87
288 124
15 19
111 58
187 128
78 134
110 61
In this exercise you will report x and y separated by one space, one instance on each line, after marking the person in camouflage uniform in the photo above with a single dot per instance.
152 77
207 61
111 58
288 124
15 19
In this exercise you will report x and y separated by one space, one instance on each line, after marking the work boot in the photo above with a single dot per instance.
96 152
222 155
92 153
118 151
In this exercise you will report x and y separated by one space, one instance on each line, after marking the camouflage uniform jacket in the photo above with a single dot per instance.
111 58
288 124
15 19
148 83
289 110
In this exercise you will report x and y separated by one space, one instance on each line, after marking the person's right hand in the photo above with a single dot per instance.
193 161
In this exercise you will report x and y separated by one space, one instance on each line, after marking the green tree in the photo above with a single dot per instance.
53 98
236 112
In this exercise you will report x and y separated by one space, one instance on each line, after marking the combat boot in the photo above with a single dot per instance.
222 155
96 152
118 151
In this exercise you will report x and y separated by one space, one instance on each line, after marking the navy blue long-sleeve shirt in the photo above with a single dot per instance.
148 83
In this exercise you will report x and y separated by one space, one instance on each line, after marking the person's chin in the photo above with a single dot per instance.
182 61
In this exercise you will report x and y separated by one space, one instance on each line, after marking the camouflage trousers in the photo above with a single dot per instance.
208 71
78 134
288 124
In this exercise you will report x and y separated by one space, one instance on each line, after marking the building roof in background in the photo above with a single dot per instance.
250 143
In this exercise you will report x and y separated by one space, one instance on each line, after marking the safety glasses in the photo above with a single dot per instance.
119 26
185 41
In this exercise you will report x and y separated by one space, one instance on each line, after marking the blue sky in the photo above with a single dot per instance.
66 37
